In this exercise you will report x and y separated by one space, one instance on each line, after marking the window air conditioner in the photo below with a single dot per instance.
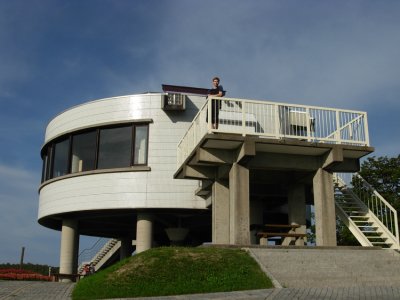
172 101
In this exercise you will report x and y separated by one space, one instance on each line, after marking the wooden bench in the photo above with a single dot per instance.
281 234
60 276
287 233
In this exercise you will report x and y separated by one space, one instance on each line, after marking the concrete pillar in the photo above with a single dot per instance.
126 248
69 248
297 209
76 251
144 232
324 204
239 205
220 213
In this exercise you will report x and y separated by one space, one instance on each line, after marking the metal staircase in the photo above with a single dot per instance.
369 217
98 254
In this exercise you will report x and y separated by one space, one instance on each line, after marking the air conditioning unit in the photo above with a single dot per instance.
173 101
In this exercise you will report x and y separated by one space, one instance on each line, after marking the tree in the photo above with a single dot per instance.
383 174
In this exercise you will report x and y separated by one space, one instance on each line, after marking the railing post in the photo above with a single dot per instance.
209 115
308 120
396 228
243 118
366 133
277 124
337 138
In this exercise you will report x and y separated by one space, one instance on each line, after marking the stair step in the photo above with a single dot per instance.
361 221
381 243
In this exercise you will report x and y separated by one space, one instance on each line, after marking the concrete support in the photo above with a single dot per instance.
69 248
126 248
324 204
297 209
239 205
220 213
144 232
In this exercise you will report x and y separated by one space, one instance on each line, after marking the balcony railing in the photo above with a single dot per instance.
275 120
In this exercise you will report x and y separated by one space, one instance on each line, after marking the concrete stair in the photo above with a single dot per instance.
331 267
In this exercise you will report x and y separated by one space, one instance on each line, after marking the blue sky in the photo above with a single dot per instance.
57 53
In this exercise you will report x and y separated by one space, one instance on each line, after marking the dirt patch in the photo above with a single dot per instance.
141 264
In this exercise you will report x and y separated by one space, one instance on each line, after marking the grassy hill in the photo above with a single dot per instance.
175 271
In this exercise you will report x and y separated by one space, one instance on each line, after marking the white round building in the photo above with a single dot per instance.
108 170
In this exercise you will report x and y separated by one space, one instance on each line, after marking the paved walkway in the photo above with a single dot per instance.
35 290
32 290
340 274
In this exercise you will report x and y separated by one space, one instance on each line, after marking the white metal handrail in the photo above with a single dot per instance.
378 205
87 254
275 120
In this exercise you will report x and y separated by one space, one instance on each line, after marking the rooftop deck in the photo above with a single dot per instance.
276 121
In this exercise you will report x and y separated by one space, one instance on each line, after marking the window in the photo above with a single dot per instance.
45 169
101 148
141 141
83 152
60 162
115 147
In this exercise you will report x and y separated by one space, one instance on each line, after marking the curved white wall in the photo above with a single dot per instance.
120 190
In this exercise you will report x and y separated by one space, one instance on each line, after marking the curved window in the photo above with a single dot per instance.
140 156
60 160
115 148
99 148
83 152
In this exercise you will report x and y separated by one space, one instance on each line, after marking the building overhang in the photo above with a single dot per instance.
217 150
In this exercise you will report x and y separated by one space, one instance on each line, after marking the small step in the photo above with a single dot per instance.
381 243
361 221
371 233
350 206
383 239
349 212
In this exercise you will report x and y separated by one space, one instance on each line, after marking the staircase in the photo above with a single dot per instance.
369 217
98 254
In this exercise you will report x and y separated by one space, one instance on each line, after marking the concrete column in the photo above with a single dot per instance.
239 205
220 213
324 204
69 248
297 209
144 232
126 248
76 252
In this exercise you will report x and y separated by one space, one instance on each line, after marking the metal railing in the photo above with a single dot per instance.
275 120
87 254
382 209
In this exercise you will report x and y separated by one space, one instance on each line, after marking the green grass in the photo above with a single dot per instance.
175 271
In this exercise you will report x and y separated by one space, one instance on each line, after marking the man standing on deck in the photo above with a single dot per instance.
216 91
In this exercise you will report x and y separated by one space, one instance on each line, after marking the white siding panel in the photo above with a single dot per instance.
152 189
